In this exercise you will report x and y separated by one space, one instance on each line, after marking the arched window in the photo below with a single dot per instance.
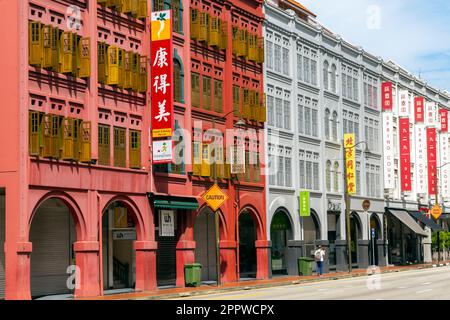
327 124
336 176
333 79
334 124
328 176
325 75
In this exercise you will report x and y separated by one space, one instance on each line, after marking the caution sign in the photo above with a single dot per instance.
215 197
436 211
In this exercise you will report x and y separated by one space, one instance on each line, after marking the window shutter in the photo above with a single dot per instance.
195 24
102 62
246 104
56 144
235 40
142 9
214 27
121 66
34 133
46 130
67 139
206 161
128 60
135 72
143 75
47 34
261 53
76 139
66 52
195 89
126 6
223 36
135 149
85 138
104 145
113 65
203 27
35 44
84 56
196 158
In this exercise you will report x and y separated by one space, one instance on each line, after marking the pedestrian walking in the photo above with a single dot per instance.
319 255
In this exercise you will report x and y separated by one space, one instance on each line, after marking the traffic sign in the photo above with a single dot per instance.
215 197
436 211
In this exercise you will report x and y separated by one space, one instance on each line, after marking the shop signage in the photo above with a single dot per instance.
403 105
161 70
436 211
386 98
124 235
431 114
444 179
421 158
166 223
432 162
350 164
388 150
443 115
419 109
334 206
215 197
405 155
304 199
162 151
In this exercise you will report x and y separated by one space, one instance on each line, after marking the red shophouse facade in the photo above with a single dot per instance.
76 179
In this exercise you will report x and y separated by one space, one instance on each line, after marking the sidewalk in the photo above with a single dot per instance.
253 284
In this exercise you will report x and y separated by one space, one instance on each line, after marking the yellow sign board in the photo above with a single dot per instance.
436 211
215 197
350 162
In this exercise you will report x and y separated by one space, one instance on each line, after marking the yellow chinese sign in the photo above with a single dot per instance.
350 162
215 197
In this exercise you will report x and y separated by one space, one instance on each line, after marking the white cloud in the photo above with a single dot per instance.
413 33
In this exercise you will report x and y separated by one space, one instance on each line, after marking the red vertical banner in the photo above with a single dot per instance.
161 71
432 162
419 113
405 155
443 113
386 96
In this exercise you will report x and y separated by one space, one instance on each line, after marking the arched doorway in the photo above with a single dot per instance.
355 235
280 233
311 233
118 235
375 234
247 249
52 233
205 239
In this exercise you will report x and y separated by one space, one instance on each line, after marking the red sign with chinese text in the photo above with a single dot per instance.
419 113
405 155
386 96
432 163
161 70
443 113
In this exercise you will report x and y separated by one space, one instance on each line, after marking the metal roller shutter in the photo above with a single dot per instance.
166 260
2 241
205 252
52 234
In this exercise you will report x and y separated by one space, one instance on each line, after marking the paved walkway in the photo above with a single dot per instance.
251 284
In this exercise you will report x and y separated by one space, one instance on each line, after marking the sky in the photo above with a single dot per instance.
413 33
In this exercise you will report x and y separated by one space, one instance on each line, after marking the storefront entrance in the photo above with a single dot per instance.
247 249
119 233
166 222
52 235
311 233
205 239
280 233
355 235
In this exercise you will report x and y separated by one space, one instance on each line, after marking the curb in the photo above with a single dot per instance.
276 284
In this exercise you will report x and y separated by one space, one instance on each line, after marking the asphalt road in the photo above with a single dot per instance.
425 284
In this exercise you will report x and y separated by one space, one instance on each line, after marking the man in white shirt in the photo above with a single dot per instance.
319 256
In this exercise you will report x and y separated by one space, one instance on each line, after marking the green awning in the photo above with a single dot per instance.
167 202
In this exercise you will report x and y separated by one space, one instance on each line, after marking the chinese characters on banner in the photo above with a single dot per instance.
443 113
431 114
388 150
445 171
403 106
161 70
350 162
419 109
421 158
405 155
386 96
432 164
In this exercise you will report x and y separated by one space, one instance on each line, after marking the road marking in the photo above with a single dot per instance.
236 297
423 291
426 283
403 287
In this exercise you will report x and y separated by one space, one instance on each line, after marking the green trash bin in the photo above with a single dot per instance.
193 274
305 266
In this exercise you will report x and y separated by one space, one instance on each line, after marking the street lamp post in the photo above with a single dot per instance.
436 194
347 204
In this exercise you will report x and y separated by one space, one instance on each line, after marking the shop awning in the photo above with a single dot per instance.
425 220
170 202
408 221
